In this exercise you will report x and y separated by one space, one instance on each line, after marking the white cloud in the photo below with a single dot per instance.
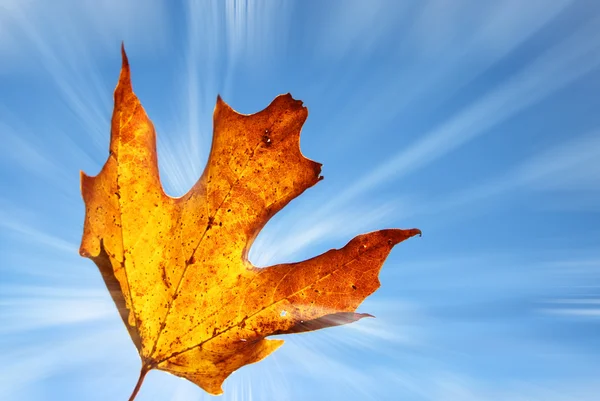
552 169
20 228
443 385
38 361
563 64
356 27
474 30
70 29
31 308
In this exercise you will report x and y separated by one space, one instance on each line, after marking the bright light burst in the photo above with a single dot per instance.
474 121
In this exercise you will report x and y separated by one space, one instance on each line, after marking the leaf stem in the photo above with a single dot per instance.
145 369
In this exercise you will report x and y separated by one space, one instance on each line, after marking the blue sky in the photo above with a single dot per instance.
476 122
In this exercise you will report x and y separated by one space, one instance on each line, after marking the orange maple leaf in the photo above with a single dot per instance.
177 268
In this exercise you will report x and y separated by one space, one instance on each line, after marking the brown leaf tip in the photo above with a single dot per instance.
124 84
220 101
125 61
221 107
395 236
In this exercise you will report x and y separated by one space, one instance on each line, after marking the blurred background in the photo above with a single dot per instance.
476 122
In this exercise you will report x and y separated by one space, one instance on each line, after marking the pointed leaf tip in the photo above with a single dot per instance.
124 84
125 62
395 236
367 315
219 106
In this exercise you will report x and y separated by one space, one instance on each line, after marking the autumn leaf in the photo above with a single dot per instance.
178 269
